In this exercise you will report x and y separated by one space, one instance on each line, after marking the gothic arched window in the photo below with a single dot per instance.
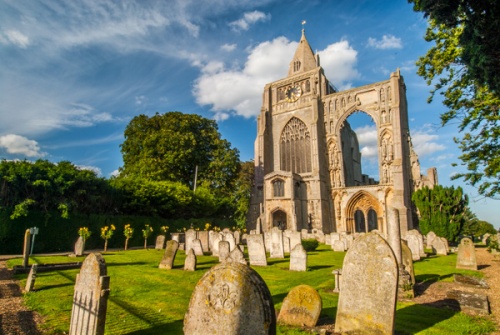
295 147
279 188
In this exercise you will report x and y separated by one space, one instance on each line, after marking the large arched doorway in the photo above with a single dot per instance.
363 213
279 219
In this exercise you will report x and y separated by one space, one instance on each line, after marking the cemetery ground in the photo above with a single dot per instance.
147 300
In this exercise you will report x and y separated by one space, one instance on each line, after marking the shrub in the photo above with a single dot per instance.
310 244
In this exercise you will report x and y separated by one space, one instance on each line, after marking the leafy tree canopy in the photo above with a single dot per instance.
463 66
442 210
169 147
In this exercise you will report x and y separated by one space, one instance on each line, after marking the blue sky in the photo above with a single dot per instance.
74 73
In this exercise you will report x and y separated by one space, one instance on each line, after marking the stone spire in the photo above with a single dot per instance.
304 59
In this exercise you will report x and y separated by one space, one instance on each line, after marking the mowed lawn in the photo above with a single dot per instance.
148 300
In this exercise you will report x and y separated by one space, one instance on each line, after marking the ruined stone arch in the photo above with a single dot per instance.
363 206
295 147
353 109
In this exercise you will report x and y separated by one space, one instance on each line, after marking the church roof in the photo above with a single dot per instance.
304 59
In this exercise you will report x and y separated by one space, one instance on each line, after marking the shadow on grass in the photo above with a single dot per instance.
416 318
483 266
125 264
277 261
49 287
327 316
318 267
174 327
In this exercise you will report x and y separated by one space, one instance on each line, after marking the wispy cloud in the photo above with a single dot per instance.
248 19
426 141
387 42
228 47
14 37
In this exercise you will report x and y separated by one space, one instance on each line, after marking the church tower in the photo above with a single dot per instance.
291 189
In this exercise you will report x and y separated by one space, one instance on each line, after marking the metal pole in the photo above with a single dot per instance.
33 232
195 178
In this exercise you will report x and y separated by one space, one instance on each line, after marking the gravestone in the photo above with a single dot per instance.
256 250
224 250
160 242
301 307
420 238
190 236
430 237
228 236
295 238
230 299
26 248
79 246
286 244
298 258
190 261
197 247
169 256
216 238
88 315
466 257
237 237
30 282
236 256
367 300
338 245
407 260
446 245
203 237
328 239
276 243
348 239
438 246
267 240
414 246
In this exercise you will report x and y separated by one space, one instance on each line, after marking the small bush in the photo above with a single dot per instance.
310 244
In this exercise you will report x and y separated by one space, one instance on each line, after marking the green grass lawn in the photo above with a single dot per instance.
147 300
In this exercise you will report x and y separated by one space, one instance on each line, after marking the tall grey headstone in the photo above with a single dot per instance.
338 245
26 248
88 315
197 247
256 250
190 261
229 237
160 242
430 237
224 250
230 299
203 237
298 258
190 236
301 307
276 243
216 238
295 238
466 257
167 261
286 244
79 246
414 245
237 237
367 300
439 247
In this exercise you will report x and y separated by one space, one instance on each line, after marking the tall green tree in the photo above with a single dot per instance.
441 210
242 192
169 147
463 66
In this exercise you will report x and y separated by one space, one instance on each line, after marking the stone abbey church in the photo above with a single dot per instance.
308 161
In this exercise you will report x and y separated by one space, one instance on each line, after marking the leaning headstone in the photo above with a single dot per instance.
438 247
88 315
26 248
276 243
466 257
430 237
79 246
30 282
301 307
256 250
224 250
236 256
230 299
160 242
446 245
197 247
169 256
367 300
298 258
190 261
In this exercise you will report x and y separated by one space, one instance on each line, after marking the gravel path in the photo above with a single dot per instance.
17 319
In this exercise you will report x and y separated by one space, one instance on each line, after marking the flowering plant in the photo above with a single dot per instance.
146 232
207 226
164 229
84 233
106 233
128 232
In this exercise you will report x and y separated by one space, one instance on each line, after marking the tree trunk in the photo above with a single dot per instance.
126 243
105 245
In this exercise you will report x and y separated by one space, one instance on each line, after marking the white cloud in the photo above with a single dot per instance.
228 47
239 90
248 19
339 60
387 42
425 143
94 169
20 145
367 139
15 37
